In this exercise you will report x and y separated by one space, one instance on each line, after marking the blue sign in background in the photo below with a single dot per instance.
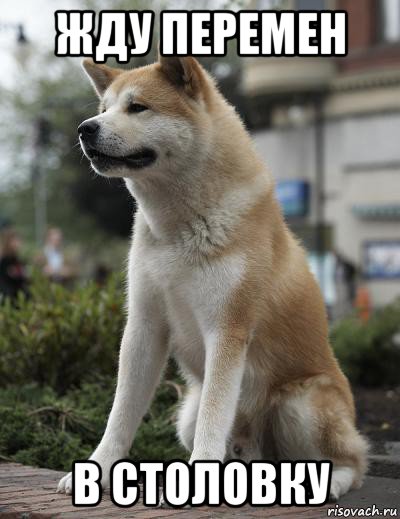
381 259
293 195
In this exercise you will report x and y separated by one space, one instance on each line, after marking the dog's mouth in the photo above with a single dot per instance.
140 159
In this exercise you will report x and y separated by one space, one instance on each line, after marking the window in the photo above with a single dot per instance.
300 5
271 5
381 260
310 5
389 17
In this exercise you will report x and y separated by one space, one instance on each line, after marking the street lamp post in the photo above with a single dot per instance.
320 189
21 38
16 27
41 137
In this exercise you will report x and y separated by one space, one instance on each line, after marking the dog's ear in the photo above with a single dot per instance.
184 72
101 76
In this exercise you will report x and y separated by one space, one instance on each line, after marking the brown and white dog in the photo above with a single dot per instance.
217 280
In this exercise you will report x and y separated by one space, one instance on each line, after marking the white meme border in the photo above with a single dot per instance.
125 34
205 483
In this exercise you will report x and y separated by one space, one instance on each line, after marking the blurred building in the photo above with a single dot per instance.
329 130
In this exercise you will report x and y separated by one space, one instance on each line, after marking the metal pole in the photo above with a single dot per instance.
40 202
320 189
39 180
18 28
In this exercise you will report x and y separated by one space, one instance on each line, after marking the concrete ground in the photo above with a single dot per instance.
29 493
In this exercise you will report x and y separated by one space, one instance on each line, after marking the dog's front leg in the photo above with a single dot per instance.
142 357
225 361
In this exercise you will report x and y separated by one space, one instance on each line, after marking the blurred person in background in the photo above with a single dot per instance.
346 273
54 261
13 277
101 274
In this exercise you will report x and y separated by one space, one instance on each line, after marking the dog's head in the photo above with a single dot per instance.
152 119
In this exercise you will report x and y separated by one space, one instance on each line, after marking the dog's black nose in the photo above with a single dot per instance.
88 129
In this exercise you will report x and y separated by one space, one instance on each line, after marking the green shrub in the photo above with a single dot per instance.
369 353
61 337
39 428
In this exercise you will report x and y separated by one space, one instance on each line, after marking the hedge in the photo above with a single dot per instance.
369 353
61 337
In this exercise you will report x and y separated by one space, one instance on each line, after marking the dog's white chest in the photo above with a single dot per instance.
195 295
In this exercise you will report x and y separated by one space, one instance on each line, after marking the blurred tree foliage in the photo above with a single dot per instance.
54 93
78 200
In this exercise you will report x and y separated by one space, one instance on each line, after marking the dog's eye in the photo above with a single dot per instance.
135 108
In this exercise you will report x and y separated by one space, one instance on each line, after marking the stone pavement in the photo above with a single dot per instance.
29 493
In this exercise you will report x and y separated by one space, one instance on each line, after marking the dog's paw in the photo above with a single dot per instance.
65 484
103 459
164 504
334 492
341 482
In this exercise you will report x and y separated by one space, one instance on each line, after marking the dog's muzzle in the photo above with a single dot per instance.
88 133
